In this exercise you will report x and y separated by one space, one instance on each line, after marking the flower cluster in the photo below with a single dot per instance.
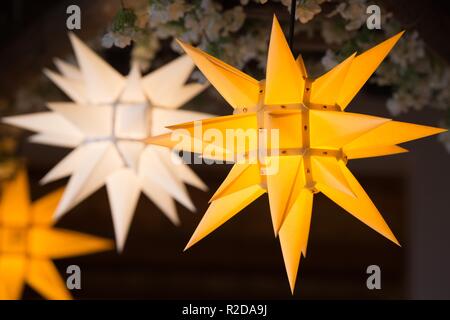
417 77
205 23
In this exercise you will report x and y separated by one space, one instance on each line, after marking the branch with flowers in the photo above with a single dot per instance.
231 31
418 78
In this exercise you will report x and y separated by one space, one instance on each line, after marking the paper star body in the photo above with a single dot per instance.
316 138
28 242
106 125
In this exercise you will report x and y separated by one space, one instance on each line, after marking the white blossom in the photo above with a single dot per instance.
329 60
408 51
353 11
117 39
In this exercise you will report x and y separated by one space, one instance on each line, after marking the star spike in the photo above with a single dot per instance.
325 89
285 83
103 83
180 169
56 140
173 93
58 244
326 171
392 133
240 126
362 67
216 215
101 160
68 70
45 279
294 234
240 177
66 166
341 127
133 91
301 65
40 122
12 273
14 205
42 209
361 207
74 89
280 187
239 89
122 207
76 114
185 143
374 152
152 163
162 199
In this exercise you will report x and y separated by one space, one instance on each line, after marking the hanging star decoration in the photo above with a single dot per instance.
316 138
106 125
28 242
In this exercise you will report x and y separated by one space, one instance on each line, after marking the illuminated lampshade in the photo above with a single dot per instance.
106 124
316 138
28 242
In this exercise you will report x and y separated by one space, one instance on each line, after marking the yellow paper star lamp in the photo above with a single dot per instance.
316 139
28 242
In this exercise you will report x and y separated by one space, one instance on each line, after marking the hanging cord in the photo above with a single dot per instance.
292 24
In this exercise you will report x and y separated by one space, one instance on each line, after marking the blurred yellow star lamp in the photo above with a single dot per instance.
28 242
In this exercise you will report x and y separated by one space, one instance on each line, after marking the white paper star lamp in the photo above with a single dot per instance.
106 125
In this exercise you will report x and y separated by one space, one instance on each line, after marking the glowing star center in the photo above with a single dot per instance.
130 123
13 240
300 142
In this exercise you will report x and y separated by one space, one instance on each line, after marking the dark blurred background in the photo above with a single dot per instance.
242 259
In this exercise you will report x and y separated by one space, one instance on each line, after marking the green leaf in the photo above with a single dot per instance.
124 19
